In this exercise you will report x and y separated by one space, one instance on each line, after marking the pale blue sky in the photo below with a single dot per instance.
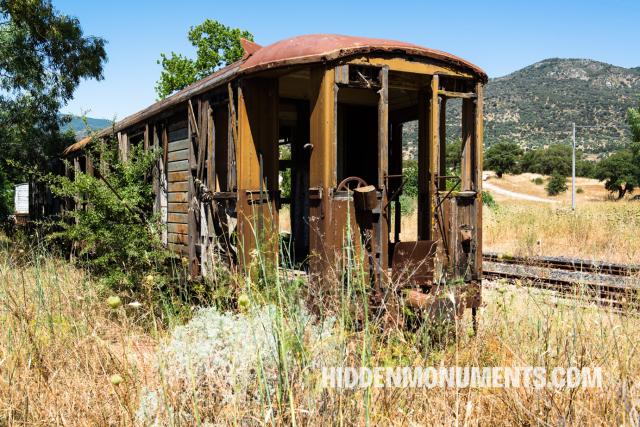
499 36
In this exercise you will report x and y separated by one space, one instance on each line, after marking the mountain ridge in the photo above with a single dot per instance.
535 106
79 127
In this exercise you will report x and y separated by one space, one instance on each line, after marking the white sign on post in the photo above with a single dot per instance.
21 199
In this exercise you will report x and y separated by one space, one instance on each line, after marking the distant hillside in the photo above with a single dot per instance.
78 125
536 105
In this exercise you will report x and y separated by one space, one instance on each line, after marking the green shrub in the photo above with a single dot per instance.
556 185
410 176
538 180
488 200
113 231
407 204
579 190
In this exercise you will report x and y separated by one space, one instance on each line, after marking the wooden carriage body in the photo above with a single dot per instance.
338 104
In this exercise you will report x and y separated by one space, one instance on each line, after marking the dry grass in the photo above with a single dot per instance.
597 230
592 189
60 344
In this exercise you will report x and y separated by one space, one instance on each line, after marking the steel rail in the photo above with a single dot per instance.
613 285
564 263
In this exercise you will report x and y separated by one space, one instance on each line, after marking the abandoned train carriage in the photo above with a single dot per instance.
339 103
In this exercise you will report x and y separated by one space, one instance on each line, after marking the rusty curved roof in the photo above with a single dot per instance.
292 51
326 47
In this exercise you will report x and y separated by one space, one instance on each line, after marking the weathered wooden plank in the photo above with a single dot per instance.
342 74
382 230
323 122
178 238
181 144
450 94
146 137
178 155
193 122
442 182
413 66
179 197
203 117
193 214
478 136
178 176
177 134
165 147
383 128
124 146
211 153
434 148
177 186
181 165
177 217
424 211
178 207
178 228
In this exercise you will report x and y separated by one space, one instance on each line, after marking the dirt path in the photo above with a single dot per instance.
494 188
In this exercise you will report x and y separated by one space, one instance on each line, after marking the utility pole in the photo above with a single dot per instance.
573 170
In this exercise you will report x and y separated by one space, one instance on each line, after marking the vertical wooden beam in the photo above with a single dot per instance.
434 144
382 227
89 165
323 104
478 136
164 184
123 146
193 211
428 157
211 156
383 128
232 138
323 128
203 136
146 137
442 182
478 142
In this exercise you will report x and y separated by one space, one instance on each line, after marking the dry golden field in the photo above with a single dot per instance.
68 358
600 228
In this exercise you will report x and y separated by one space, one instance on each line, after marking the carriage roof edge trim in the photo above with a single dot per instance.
305 49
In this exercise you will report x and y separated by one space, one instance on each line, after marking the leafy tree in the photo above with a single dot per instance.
554 159
585 168
43 57
216 45
557 184
620 172
503 157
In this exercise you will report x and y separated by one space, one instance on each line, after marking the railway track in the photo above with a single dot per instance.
611 284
